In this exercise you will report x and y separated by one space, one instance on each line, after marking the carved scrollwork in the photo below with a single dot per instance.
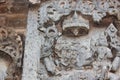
97 9
11 49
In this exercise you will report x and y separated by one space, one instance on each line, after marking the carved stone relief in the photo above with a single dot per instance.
74 49
11 50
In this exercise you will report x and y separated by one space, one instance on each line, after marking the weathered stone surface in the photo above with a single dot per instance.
32 50
19 7
3 8
16 21
1 1
75 47
11 51
2 20
65 40
15 13
13 20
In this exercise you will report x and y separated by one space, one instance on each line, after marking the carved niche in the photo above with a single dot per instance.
80 40
11 50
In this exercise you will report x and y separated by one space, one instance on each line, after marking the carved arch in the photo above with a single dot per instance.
11 48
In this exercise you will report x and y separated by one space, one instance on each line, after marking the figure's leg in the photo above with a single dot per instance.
50 66
116 64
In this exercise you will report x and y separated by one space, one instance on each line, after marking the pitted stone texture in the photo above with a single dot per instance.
32 48
58 56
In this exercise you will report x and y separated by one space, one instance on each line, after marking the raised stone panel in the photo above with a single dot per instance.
72 40
32 48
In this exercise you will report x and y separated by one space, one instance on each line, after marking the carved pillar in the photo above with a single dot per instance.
32 48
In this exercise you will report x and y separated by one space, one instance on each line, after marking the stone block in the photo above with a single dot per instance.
16 21
2 20
3 8
19 9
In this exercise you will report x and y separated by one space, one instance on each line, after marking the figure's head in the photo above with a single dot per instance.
75 26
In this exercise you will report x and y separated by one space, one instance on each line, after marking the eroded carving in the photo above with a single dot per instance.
97 9
72 48
10 54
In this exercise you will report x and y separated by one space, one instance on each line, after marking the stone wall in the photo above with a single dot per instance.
13 14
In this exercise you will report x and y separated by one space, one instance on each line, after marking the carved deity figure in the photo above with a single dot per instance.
47 49
74 53
82 50
104 55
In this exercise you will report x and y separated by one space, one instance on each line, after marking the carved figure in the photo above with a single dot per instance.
47 48
79 49
114 43
103 56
